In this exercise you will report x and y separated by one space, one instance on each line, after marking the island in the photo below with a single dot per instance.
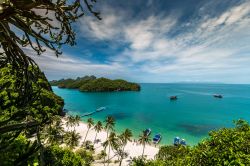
94 84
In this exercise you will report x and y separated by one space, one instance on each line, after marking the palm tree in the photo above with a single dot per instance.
53 133
124 138
111 143
70 121
98 127
88 146
76 121
110 123
72 138
144 139
90 123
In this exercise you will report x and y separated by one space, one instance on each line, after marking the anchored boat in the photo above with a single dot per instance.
179 141
218 96
176 140
183 142
173 98
148 131
157 138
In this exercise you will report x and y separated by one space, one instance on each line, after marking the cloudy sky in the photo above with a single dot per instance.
159 41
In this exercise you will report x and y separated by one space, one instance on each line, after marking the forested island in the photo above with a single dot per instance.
93 84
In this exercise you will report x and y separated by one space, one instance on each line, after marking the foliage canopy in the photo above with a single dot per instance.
27 103
93 84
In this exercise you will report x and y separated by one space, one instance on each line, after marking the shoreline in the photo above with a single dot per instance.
132 148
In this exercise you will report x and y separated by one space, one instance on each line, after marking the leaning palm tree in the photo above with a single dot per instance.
111 143
110 123
72 139
98 127
124 138
90 123
144 139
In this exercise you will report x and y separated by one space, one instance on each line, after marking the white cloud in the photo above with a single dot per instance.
234 15
212 45
107 28
143 33
67 66
204 48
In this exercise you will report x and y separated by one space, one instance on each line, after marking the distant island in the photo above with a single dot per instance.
93 84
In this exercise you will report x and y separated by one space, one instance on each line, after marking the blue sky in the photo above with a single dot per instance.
159 41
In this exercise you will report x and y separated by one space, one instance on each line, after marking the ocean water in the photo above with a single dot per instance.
191 117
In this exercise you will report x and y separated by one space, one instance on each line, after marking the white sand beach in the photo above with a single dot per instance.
132 148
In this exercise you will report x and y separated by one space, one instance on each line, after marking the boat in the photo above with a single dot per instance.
183 142
148 131
173 97
157 138
218 96
176 140
100 109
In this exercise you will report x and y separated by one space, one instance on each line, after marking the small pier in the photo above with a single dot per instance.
91 113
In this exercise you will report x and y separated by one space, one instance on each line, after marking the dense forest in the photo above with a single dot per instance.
93 84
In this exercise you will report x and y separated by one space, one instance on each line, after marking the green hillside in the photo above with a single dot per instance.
93 84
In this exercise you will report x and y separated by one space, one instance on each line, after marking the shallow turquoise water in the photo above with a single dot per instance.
191 116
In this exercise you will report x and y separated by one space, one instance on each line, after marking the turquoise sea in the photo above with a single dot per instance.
190 117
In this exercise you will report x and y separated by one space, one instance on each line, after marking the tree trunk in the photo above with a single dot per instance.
108 155
104 158
95 137
107 134
86 135
122 155
143 150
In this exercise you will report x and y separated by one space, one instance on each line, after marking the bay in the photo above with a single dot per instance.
192 116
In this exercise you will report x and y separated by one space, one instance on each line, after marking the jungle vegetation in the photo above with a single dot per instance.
93 84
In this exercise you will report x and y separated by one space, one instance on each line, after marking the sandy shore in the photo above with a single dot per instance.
133 149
